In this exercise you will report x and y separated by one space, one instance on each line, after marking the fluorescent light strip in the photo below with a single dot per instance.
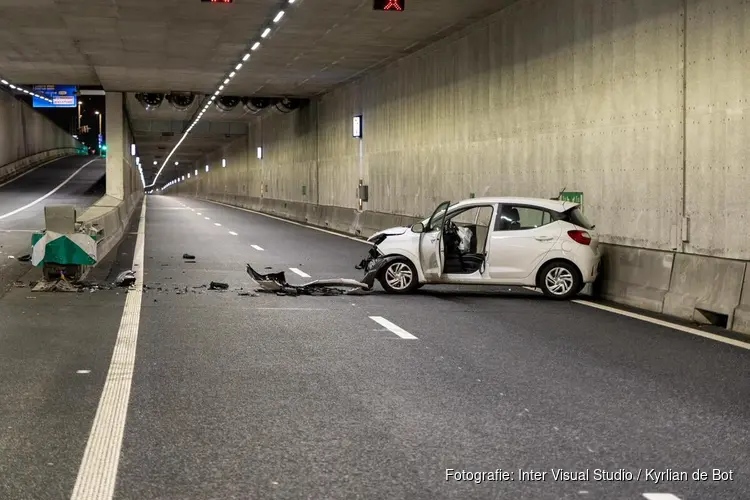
264 34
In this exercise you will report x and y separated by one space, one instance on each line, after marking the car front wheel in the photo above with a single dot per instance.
560 280
399 276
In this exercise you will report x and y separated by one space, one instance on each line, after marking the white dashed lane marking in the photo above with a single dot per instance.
660 496
232 233
299 272
257 248
393 327
207 218
217 224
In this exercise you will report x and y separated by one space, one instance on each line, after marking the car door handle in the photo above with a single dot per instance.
543 238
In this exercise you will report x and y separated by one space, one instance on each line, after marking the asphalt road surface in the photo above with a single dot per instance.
254 397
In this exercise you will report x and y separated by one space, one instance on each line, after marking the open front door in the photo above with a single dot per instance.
431 250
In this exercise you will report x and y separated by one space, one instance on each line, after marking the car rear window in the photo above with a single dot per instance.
575 216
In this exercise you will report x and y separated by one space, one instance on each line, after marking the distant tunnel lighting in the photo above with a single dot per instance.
216 93
4 82
246 57
188 175
176 163
278 16
183 177
206 168
12 86
231 75
132 150
260 153
137 160
291 1
155 162
196 171
226 80
238 67
224 162
213 97
221 87
265 33
255 46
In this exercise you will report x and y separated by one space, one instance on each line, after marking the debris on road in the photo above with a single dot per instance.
276 283
125 279
19 284
25 258
215 285
247 294
187 256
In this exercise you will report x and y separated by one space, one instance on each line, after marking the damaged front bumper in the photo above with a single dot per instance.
372 265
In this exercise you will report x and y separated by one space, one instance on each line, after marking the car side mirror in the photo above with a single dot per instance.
418 227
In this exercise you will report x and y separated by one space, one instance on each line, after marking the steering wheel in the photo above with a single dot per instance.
451 228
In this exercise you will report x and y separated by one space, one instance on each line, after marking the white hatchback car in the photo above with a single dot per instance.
534 242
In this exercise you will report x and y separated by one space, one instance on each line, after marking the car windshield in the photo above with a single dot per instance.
575 216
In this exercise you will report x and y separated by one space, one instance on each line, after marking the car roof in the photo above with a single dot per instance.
556 205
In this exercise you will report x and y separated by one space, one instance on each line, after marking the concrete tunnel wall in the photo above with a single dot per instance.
641 105
27 137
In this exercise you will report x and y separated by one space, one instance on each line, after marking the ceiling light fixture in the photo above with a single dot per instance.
246 56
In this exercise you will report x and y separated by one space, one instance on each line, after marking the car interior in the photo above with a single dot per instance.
465 235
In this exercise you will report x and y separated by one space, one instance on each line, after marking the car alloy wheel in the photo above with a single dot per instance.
399 276
559 281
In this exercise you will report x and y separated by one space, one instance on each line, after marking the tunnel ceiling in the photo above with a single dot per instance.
149 46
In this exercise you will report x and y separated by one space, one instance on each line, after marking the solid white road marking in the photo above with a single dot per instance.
660 496
14 212
217 224
83 371
257 248
232 233
98 471
392 327
29 171
660 322
299 272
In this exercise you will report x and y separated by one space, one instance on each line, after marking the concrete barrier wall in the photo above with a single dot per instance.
27 137
18 167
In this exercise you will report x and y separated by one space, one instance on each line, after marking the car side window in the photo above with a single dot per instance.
518 218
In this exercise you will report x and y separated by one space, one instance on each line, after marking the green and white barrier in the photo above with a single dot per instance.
65 249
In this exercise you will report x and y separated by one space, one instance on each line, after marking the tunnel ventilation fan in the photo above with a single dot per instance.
181 101
255 105
150 100
227 103
288 104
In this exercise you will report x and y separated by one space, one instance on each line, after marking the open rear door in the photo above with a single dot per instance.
431 251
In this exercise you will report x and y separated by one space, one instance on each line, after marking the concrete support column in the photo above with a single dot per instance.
117 149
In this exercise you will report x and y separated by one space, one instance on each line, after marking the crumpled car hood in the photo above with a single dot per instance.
393 231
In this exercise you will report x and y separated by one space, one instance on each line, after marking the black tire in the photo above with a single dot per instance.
560 280
398 270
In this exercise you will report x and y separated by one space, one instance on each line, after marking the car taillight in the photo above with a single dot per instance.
581 237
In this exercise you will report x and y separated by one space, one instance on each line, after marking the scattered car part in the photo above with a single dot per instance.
188 256
215 285
276 283
125 279
25 258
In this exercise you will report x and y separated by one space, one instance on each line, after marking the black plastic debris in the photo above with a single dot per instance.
215 285
190 262
187 256
125 279
247 294
276 283
25 258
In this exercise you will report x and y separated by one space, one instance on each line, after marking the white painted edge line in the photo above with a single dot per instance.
98 471
29 205
83 372
232 233
260 249
660 496
393 327
217 224
299 272
660 322
291 222
14 179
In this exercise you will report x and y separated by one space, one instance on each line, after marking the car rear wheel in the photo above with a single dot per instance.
560 280
399 276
